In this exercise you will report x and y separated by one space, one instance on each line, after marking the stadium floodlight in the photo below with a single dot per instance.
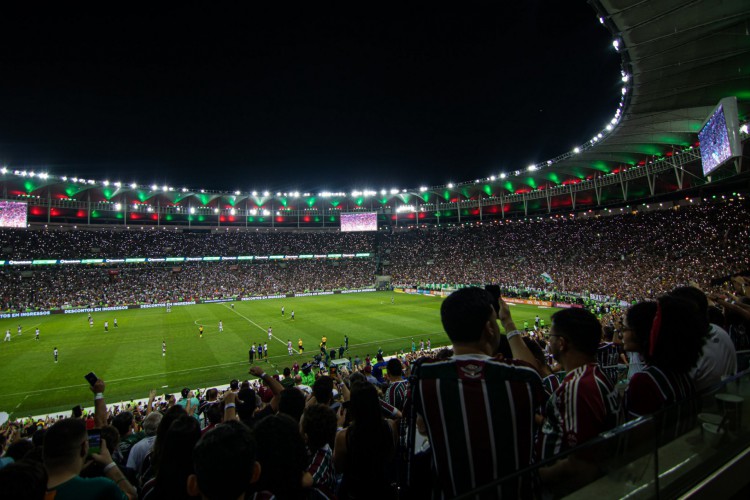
133 185
624 90
450 185
503 175
253 212
32 174
383 192
74 179
394 190
625 77
184 190
44 176
599 135
135 206
601 20
265 193
266 212
5 171
216 210
154 187
531 168
278 194
608 127
237 193
616 44
232 211
254 193
150 209
422 189
192 210
492 177
576 150
165 188
106 183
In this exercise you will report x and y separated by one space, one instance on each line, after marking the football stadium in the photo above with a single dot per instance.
572 327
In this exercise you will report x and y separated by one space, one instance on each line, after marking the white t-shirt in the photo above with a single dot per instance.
718 359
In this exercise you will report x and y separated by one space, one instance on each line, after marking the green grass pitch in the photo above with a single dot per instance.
129 358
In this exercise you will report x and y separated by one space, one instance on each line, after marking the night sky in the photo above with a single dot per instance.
302 98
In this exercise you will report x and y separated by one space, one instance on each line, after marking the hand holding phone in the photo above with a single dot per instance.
95 441
91 378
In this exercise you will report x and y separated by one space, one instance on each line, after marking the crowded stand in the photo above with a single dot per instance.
428 423
628 258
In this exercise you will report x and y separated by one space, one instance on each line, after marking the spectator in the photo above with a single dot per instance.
364 450
668 335
224 461
174 464
506 390
718 357
143 447
66 447
282 457
318 427
583 406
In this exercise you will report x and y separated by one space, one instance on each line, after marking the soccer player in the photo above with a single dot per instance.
270 333
252 352
282 310
7 335
114 321
265 351
429 345
200 330
36 333
301 347
421 345
536 322
221 326
289 346
346 342
292 314
163 348
54 353
393 300
91 322
324 340
525 326
106 326
413 346
260 351
231 305
19 329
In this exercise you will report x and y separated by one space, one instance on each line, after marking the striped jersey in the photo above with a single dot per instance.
321 470
608 356
550 383
653 389
395 393
479 414
584 405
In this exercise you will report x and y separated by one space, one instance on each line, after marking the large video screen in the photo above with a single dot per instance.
12 214
720 137
361 221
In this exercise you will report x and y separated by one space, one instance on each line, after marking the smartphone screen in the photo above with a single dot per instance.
95 441
91 378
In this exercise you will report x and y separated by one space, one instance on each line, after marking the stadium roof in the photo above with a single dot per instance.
679 58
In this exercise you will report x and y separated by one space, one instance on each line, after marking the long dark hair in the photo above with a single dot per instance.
670 333
176 459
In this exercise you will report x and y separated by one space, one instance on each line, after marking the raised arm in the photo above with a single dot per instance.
517 346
